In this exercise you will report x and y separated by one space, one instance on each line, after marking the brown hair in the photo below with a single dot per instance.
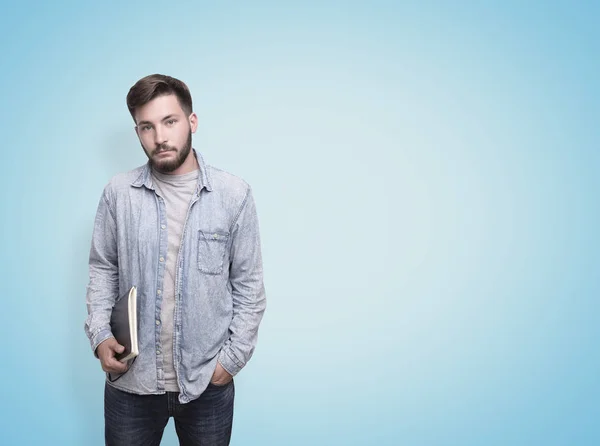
154 85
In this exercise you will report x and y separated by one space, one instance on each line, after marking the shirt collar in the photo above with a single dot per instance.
204 181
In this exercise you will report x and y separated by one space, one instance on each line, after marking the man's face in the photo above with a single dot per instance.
165 132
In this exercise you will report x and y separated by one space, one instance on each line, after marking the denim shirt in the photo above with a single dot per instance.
219 292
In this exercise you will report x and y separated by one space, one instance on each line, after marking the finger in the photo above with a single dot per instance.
116 347
115 366
109 359
119 366
112 370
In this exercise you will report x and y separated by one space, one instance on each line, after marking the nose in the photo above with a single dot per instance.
159 136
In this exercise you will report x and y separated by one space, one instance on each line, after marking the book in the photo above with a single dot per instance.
123 324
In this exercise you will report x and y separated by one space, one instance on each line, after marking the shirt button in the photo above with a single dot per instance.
158 292
162 259
157 322
162 226
158 352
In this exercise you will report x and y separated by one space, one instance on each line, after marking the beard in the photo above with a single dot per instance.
169 165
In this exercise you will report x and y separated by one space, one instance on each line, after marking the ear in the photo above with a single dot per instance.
193 118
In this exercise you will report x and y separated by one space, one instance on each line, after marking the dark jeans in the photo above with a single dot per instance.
132 420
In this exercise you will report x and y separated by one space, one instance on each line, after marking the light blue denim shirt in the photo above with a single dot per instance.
219 292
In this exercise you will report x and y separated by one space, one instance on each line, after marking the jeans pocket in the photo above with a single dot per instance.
211 251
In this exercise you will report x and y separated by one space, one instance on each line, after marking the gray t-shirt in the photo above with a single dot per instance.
176 191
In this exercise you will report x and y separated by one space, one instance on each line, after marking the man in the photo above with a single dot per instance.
186 235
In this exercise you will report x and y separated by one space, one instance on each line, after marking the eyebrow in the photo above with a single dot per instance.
163 119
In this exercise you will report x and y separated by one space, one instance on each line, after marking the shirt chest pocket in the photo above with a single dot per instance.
212 246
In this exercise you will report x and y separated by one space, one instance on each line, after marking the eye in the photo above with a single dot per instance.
171 121
146 127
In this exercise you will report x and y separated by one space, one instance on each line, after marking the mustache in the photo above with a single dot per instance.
164 148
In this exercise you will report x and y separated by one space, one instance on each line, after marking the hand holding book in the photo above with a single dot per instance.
116 352
123 324
107 352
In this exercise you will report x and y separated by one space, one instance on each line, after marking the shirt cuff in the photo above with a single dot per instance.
229 362
99 338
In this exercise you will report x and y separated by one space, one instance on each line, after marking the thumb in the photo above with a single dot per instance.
119 348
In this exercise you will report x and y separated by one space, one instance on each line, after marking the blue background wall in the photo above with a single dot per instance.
426 177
